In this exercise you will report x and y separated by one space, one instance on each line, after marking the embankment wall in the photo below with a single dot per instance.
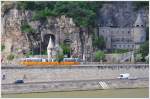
74 85
73 73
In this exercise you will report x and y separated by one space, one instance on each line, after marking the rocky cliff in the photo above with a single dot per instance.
17 44
122 14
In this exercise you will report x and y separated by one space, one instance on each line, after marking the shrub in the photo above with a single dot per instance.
120 51
99 55
43 14
2 47
59 57
10 57
28 54
26 28
66 48
144 50
138 57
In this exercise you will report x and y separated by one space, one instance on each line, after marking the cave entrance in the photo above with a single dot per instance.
67 47
41 49
45 43
46 40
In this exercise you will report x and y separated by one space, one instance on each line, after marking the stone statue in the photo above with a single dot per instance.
50 49
53 50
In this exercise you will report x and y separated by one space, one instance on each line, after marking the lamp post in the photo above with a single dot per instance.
40 49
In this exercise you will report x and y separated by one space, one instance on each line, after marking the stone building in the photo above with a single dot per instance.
124 38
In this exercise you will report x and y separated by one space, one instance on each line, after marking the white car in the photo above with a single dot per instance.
124 76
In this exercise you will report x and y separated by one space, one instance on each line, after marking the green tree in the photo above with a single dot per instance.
66 48
138 57
24 5
144 50
99 55
26 28
140 4
59 56
99 42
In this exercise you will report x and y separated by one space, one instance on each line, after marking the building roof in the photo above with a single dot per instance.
139 21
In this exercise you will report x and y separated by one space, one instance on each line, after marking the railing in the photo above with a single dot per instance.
126 56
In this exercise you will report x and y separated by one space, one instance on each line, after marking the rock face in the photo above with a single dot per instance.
18 44
121 14
62 29
12 37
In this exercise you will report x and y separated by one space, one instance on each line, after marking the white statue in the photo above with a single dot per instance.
50 49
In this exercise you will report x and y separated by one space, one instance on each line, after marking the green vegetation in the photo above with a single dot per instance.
144 50
44 52
66 48
59 56
140 4
23 5
99 55
26 28
120 51
10 57
99 42
28 54
82 12
43 14
31 53
138 57
2 47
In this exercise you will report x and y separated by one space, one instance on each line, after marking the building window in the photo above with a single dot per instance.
119 46
122 39
124 46
128 46
114 46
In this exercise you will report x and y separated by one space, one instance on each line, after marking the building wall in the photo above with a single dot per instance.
124 38
117 38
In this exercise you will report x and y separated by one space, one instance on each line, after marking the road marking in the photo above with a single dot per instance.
103 85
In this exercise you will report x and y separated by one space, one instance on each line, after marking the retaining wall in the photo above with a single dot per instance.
74 85
73 73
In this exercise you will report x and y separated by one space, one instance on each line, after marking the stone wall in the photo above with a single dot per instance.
88 72
73 85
